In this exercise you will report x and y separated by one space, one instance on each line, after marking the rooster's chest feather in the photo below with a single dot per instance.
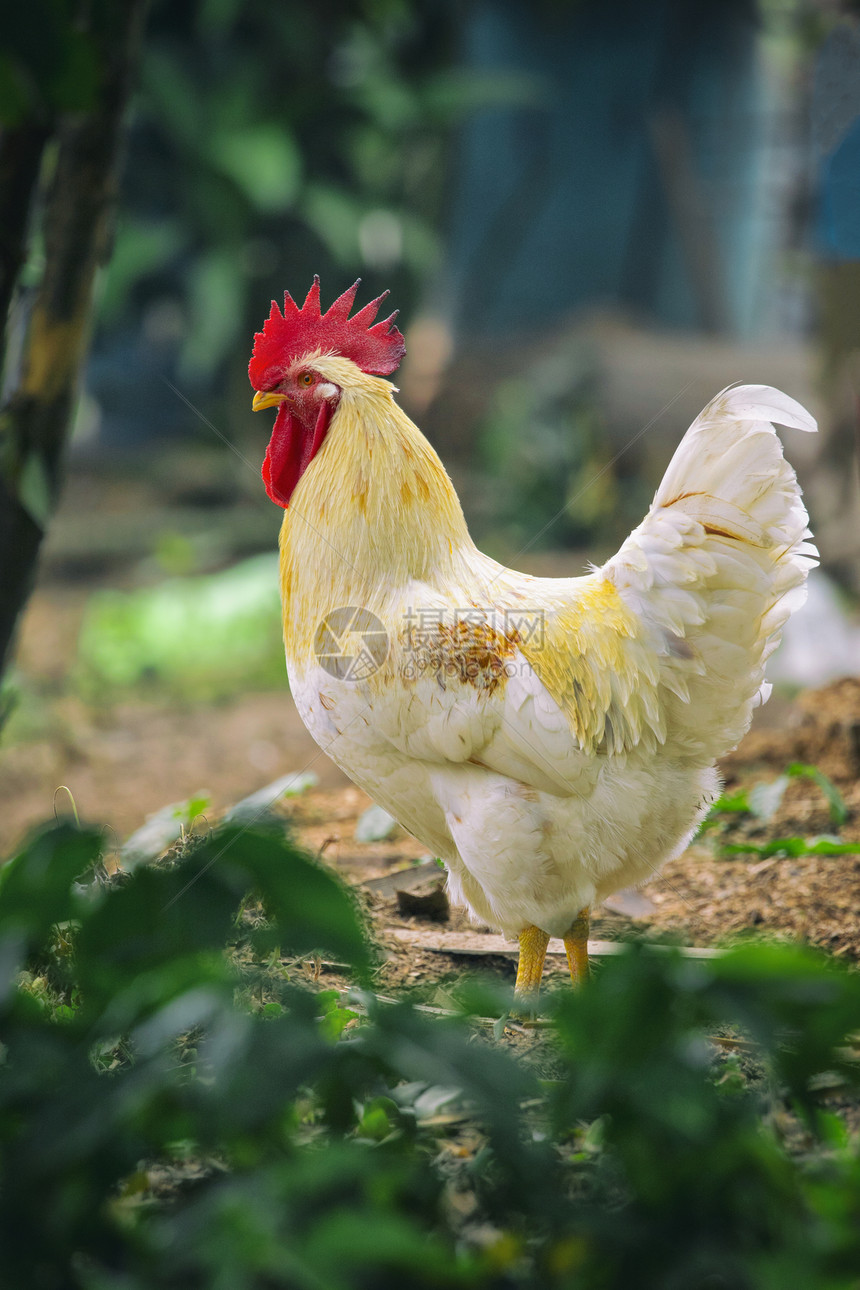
344 718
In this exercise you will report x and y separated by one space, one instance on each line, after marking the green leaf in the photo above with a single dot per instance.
215 295
737 803
310 907
793 847
36 885
378 1119
377 1243
156 937
264 161
763 800
187 812
334 215
142 248
171 90
835 801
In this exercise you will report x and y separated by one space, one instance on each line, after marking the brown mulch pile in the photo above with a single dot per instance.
706 898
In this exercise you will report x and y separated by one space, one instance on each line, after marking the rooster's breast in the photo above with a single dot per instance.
348 719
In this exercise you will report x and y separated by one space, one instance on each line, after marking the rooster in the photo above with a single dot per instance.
552 739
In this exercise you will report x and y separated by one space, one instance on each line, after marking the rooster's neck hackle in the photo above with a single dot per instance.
375 511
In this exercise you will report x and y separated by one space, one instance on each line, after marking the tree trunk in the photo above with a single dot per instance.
76 223
20 158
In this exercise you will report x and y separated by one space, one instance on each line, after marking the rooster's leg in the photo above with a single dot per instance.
576 944
533 943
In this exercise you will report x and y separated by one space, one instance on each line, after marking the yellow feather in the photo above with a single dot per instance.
409 525
587 663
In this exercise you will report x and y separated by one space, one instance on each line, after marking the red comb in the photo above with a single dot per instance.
285 337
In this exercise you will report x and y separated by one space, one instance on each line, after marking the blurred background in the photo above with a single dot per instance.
592 218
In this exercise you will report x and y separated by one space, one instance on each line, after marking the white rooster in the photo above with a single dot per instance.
551 739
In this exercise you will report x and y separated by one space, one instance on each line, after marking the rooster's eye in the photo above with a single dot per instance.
306 378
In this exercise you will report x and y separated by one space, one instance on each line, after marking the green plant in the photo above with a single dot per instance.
174 1113
194 637
762 801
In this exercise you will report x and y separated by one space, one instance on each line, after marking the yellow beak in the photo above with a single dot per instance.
263 400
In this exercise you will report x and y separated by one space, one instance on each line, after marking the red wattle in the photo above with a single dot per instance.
291 449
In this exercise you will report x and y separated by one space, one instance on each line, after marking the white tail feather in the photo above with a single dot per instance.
720 560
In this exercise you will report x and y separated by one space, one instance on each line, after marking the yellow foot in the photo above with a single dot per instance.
533 943
576 945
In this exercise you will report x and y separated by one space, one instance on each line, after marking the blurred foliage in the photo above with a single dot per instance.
266 143
793 846
171 1116
49 63
544 452
272 142
198 638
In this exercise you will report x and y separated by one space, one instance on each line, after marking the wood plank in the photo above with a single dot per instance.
477 944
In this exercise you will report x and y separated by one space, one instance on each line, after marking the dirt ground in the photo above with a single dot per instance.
122 763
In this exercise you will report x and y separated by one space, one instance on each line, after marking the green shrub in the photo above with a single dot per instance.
194 637
177 1115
